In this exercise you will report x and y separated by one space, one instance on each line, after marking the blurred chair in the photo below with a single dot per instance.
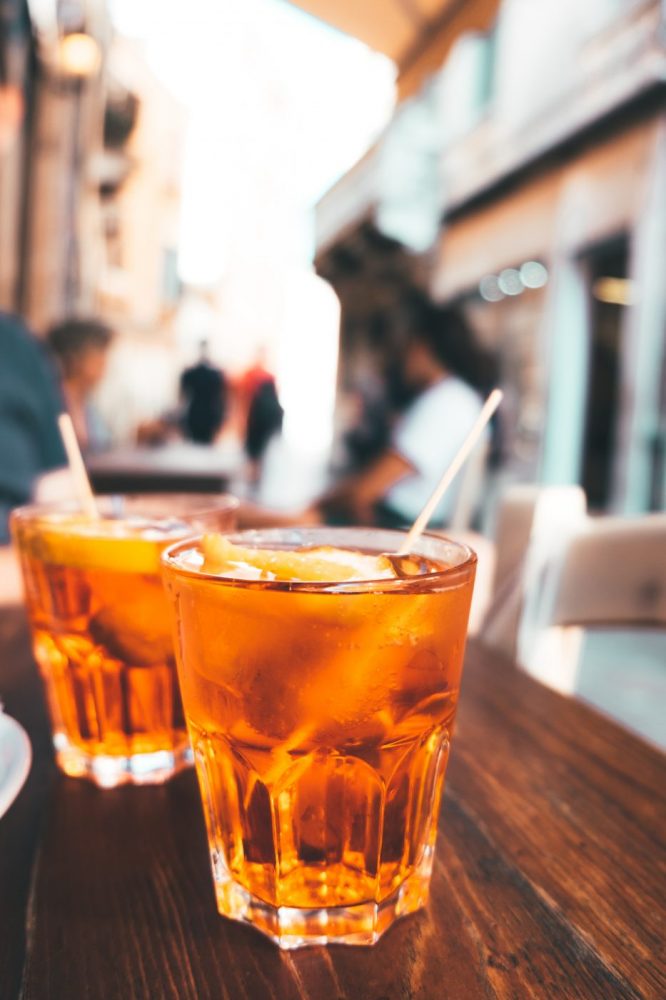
465 509
532 523
485 569
610 572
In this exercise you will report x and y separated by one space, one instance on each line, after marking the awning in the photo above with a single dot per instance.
416 34
559 213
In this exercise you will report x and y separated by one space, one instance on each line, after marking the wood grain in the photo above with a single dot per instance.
549 879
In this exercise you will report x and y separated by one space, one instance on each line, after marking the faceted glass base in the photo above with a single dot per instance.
108 771
294 927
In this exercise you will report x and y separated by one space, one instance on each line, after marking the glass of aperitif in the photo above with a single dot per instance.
101 633
320 679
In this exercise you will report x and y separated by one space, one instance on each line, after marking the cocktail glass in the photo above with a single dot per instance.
101 634
320 715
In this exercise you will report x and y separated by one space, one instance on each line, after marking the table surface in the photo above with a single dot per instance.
549 879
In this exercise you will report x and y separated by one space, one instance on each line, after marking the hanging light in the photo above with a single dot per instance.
510 281
615 291
489 289
533 274
79 56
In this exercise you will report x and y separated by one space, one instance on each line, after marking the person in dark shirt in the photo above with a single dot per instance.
29 406
264 420
203 390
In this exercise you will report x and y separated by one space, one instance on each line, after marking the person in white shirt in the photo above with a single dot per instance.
427 437
443 367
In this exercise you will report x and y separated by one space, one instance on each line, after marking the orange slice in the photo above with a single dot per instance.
316 565
84 545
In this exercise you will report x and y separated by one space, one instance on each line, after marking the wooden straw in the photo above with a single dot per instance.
82 487
420 524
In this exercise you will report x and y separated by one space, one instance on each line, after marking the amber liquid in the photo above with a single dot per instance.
102 641
320 724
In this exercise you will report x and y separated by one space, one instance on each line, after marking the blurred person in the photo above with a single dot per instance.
264 420
250 381
443 375
368 422
81 347
29 406
203 391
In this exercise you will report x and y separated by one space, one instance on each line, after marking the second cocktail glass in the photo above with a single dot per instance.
101 633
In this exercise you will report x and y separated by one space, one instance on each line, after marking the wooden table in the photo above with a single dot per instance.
178 467
549 880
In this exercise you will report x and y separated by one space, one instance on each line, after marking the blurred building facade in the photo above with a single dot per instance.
54 54
137 288
139 173
89 179
15 57
526 181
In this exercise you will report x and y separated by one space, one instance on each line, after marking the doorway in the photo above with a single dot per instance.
610 293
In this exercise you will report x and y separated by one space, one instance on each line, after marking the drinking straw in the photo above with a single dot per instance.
419 526
82 487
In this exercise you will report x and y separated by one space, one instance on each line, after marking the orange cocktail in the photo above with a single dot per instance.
320 682
101 633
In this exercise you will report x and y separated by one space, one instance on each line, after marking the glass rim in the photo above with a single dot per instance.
450 576
209 502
